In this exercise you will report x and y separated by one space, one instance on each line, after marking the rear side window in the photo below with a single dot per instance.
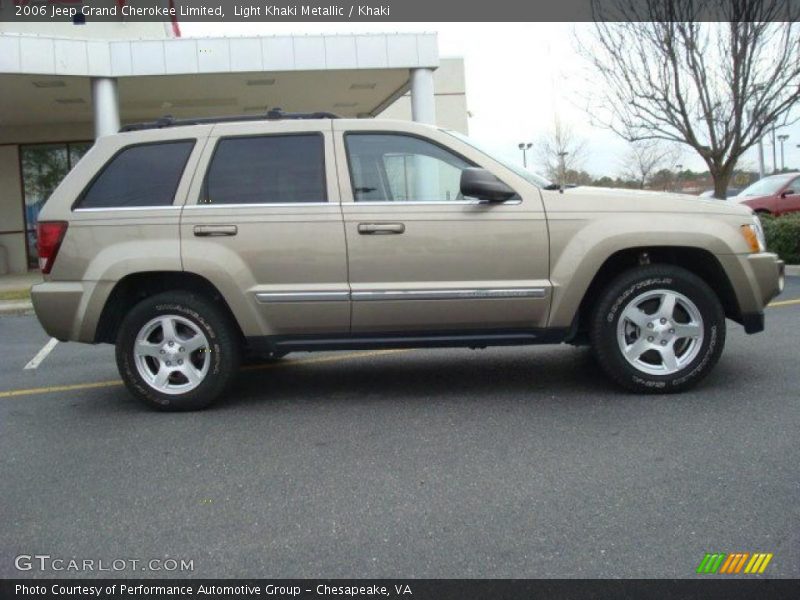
267 170
141 175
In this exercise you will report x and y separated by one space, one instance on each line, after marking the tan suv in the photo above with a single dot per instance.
189 243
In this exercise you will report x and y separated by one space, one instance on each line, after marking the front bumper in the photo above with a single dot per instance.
769 274
756 280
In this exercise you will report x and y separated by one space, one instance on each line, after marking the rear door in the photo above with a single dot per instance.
263 223
421 256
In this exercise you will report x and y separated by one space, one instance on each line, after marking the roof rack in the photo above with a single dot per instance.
275 114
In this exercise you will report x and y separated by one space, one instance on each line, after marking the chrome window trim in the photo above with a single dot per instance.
127 208
432 202
261 205
265 297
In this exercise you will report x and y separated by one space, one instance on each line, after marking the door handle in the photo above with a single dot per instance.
380 228
215 230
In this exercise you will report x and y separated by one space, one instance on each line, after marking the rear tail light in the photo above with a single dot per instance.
49 237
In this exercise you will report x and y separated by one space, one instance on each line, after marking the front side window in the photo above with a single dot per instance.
396 168
267 170
765 187
142 175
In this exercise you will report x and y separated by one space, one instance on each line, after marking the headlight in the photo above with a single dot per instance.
754 235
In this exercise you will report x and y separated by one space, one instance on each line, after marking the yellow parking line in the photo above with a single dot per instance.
784 302
59 388
116 382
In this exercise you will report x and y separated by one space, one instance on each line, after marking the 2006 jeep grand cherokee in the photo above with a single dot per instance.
189 243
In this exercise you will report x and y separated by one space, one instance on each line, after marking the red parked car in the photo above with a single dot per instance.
774 195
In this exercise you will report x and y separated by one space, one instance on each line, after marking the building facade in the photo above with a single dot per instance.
65 85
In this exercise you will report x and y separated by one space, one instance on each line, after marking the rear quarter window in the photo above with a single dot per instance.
139 176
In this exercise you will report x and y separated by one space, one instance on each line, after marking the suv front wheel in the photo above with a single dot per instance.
177 351
658 329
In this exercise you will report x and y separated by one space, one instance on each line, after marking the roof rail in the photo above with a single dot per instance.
275 114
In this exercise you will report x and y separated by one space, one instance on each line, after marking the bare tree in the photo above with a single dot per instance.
714 86
560 151
645 157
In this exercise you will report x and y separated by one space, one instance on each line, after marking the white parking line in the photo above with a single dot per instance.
42 354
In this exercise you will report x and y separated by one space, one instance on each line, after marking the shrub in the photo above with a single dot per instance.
783 236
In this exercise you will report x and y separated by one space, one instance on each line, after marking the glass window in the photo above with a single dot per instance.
267 170
392 167
765 187
43 168
141 175
528 176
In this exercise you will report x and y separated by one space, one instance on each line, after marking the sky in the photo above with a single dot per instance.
519 76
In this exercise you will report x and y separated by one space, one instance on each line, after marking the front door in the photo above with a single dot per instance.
424 258
789 201
264 225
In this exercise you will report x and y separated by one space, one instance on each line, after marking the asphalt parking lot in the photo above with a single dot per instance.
506 462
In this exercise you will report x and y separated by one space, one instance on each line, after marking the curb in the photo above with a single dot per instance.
16 307
793 270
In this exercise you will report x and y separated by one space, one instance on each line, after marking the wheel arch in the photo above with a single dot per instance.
698 261
135 287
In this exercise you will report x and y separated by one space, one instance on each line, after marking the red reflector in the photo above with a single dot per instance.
48 241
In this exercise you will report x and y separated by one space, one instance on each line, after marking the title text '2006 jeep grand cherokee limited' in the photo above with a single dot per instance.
188 243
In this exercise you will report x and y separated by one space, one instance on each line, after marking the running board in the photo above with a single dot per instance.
452 339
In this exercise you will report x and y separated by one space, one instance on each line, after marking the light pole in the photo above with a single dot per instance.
525 146
774 152
678 168
757 89
782 138
563 167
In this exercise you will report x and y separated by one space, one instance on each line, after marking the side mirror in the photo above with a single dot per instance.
785 193
481 184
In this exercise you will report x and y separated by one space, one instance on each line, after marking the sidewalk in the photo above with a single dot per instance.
14 292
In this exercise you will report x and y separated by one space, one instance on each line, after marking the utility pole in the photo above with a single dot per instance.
525 146
782 138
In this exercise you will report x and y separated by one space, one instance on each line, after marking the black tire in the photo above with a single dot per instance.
224 350
629 286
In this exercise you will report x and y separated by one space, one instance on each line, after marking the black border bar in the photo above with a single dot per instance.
420 589
386 11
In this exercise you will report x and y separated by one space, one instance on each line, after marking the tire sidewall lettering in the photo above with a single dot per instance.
620 293
222 364
635 288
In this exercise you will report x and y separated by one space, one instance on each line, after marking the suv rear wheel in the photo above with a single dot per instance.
177 351
658 328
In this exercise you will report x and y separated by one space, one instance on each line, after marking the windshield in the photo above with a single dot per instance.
533 178
766 186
